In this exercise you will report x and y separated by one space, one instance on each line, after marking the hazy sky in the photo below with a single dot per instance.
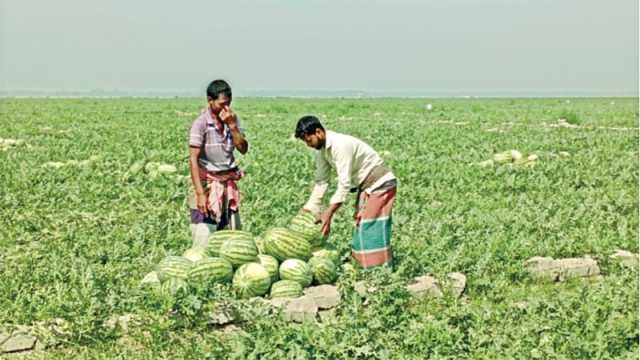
422 46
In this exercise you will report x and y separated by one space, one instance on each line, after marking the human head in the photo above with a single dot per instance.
310 130
218 95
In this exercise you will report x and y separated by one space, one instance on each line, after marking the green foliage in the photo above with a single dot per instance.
77 240
570 116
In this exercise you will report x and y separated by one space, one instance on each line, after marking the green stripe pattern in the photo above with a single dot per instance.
210 270
239 251
271 264
305 224
323 269
286 289
296 270
219 237
284 244
251 280
173 267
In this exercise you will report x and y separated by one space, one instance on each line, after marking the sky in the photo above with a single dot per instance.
380 47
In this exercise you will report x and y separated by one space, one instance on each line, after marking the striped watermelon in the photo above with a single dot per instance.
296 270
218 237
285 244
271 264
194 254
210 270
286 289
328 253
324 270
251 280
173 267
239 251
172 285
305 224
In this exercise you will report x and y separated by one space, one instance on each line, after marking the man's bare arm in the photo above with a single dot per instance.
228 117
194 154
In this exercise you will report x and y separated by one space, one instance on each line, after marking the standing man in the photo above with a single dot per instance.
360 169
215 134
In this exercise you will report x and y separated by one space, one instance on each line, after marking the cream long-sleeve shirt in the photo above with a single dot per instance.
352 159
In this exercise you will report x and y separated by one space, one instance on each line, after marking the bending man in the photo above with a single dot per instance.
359 169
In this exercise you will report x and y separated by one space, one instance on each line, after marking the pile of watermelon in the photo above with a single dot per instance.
281 263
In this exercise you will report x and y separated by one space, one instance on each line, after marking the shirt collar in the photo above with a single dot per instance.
328 141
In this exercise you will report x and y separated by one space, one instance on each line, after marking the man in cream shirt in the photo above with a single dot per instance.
359 169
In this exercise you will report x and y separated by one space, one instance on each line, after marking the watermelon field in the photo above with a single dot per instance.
81 225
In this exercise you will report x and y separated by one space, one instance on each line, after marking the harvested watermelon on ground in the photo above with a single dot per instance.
305 224
284 244
239 251
330 254
324 270
251 280
173 267
210 270
217 238
296 270
271 264
286 289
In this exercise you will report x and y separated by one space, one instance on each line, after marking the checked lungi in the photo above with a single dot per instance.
223 201
371 242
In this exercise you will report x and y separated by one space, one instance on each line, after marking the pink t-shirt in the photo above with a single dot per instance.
215 142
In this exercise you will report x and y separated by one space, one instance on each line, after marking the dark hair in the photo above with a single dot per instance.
218 87
307 125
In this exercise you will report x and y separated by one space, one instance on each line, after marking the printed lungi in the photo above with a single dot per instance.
371 242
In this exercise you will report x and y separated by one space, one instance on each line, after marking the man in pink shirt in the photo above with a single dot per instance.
214 135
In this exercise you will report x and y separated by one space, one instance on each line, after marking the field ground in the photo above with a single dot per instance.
76 241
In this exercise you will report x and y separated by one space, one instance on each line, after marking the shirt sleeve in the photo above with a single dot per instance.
344 164
196 135
321 184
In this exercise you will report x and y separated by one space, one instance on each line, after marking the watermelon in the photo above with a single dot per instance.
173 267
286 244
194 254
251 280
239 251
296 270
328 253
305 224
173 285
324 270
210 270
271 264
286 289
217 238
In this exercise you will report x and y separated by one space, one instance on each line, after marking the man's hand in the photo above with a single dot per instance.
201 203
228 117
325 220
